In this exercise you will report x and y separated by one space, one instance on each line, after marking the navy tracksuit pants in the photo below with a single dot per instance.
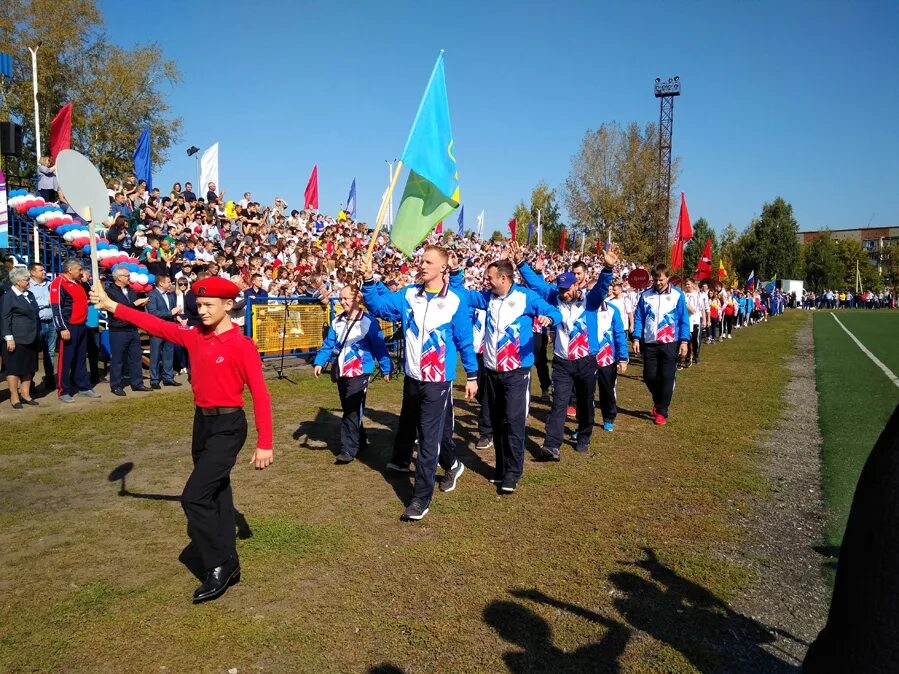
71 373
485 422
352 391
508 396
659 370
606 377
125 357
580 376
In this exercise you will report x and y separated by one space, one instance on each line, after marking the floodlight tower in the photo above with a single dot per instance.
665 92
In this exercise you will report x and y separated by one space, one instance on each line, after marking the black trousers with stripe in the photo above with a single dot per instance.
508 395
578 376
207 499
71 372
431 411
352 391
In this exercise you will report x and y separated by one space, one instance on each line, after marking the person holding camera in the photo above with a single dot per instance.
353 343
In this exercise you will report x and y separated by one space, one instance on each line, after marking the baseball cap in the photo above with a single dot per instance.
565 280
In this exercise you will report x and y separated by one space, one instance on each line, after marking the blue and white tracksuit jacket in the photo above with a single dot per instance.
577 335
363 344
509 324
662 318
612 342
437 330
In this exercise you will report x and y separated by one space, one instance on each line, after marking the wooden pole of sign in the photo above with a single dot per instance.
95 267
383 210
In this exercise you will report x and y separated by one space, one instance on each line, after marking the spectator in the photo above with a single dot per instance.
40 288
162 304
47 185
21 330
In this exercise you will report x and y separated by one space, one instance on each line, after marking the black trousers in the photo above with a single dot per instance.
431 408
606 377
71 373
659 369
124 356
352 391
508 396
207 499
578 376
485 422
407 428
93 354
695 344
541 340
728 324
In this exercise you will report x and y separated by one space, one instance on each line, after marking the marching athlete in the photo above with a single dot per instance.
224 361
437 330
611 359
661 334
353 343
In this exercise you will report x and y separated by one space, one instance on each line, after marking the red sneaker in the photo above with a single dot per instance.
653 410
572 413
660 420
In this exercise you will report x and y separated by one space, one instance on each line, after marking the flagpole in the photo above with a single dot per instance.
539 230
37 131
383 209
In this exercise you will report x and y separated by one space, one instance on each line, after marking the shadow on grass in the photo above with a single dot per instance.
671 609
831 555
190 557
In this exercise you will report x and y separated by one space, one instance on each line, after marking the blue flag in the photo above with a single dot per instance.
351 201
142 159
462 221
530 231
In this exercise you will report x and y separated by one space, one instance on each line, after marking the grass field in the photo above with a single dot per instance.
855 400
622 559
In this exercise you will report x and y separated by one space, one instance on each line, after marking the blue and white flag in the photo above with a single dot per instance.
462 221
351 201
530 232
481 219
142 169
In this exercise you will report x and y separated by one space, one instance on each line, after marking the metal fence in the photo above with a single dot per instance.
51 249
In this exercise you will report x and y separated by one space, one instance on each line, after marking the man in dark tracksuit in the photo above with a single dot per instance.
124 339
574 349
436 329
353 343
68 301
661 333
508 358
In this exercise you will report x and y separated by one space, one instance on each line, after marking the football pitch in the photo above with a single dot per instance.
855 399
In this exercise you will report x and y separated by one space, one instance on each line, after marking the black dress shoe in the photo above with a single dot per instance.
218 580
142 389
17 406
29 401
171 383
155 385
118 391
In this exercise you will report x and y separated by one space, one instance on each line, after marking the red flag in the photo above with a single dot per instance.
683 234
61 131
704 266
513 229
562 247
598 246
312 190
439 229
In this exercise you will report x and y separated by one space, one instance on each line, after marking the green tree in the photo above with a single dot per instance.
522 215
613 184
889 262
821 263
852 256
702 231
770 244
116 92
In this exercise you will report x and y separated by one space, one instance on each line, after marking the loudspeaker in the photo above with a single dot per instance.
10 139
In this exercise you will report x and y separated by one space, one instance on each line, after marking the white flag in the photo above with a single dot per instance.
209 170
481 225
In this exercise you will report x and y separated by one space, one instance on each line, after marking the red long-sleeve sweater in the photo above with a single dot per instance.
220 366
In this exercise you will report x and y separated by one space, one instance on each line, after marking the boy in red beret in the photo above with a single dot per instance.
223 361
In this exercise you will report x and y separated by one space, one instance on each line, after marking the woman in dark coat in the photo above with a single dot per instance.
20 327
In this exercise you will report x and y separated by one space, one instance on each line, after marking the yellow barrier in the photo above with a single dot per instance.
305 327
386 327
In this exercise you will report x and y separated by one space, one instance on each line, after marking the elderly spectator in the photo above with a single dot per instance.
124 340
68 302
21 329
40 288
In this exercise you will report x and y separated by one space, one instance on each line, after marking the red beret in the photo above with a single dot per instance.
216 286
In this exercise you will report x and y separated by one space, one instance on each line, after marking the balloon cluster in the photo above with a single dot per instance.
77 235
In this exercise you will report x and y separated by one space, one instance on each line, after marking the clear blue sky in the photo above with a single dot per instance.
797 99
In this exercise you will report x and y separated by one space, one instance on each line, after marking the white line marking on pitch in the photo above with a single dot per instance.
889 373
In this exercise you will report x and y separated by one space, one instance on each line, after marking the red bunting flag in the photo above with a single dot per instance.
704 266
312 190
439 228
683 234
564 233
61 131
513 229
